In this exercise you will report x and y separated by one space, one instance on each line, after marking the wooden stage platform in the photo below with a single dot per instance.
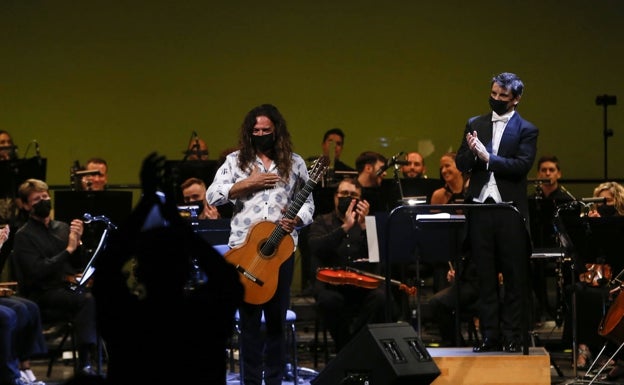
460 366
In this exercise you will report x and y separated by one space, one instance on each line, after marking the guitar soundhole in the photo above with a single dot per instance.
265 249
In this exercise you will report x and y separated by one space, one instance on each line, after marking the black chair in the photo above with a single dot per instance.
63 329
319 347
55 325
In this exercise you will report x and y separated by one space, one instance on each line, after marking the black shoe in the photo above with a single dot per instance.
513 347
88 370
488 345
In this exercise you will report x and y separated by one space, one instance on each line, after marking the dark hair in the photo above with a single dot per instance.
282 151
368 157
548 158
509 81
191 181
334 131
450 154
350 180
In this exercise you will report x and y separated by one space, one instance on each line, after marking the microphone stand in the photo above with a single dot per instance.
89 269
604 101
397 180
190 148
568 247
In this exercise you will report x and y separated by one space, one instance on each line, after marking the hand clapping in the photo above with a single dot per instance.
75 233
477 147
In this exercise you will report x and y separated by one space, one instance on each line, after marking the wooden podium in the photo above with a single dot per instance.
460 366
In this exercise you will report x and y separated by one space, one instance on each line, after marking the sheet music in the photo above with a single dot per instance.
371 238
434 216
86 275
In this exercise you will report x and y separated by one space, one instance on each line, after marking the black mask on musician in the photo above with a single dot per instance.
606 210
498 106
42 208
343 204
263 143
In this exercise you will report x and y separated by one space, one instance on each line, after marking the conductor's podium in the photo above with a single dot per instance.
460 366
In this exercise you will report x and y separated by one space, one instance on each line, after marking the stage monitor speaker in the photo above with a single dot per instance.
381 354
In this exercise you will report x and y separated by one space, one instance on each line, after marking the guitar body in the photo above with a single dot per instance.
259 273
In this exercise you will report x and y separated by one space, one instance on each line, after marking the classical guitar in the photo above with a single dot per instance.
267 246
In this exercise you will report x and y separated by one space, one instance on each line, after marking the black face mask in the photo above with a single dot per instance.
197 203
498 106
606 210
343 204
42 208
263 143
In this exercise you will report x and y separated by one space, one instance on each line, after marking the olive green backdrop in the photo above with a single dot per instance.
120 79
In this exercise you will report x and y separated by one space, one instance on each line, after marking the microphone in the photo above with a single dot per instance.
88 218
87 172
37 152
390 162
4 148
594 200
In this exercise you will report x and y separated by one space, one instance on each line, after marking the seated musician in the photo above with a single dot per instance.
194 193
46 252
338 240
548 195
593 295
451 193
21 332
444 301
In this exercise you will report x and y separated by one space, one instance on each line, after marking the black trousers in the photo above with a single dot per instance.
499 244
264 351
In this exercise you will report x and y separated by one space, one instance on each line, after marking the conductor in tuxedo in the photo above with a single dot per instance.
498 150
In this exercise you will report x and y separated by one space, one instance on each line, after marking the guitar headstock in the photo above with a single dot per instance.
318 168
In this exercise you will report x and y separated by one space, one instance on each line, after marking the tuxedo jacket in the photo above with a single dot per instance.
511 165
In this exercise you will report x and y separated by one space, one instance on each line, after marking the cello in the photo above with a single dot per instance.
612 325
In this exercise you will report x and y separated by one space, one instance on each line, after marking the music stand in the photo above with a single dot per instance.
430 233
116 205
393 194
177 171
213 231
422 225
14 172
541 214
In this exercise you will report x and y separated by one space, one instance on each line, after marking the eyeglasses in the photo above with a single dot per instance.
344 194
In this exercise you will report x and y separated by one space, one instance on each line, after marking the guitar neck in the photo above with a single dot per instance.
300 199
278 233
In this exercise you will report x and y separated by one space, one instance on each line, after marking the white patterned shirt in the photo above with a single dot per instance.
262 205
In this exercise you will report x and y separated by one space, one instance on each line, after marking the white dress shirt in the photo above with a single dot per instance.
490 190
